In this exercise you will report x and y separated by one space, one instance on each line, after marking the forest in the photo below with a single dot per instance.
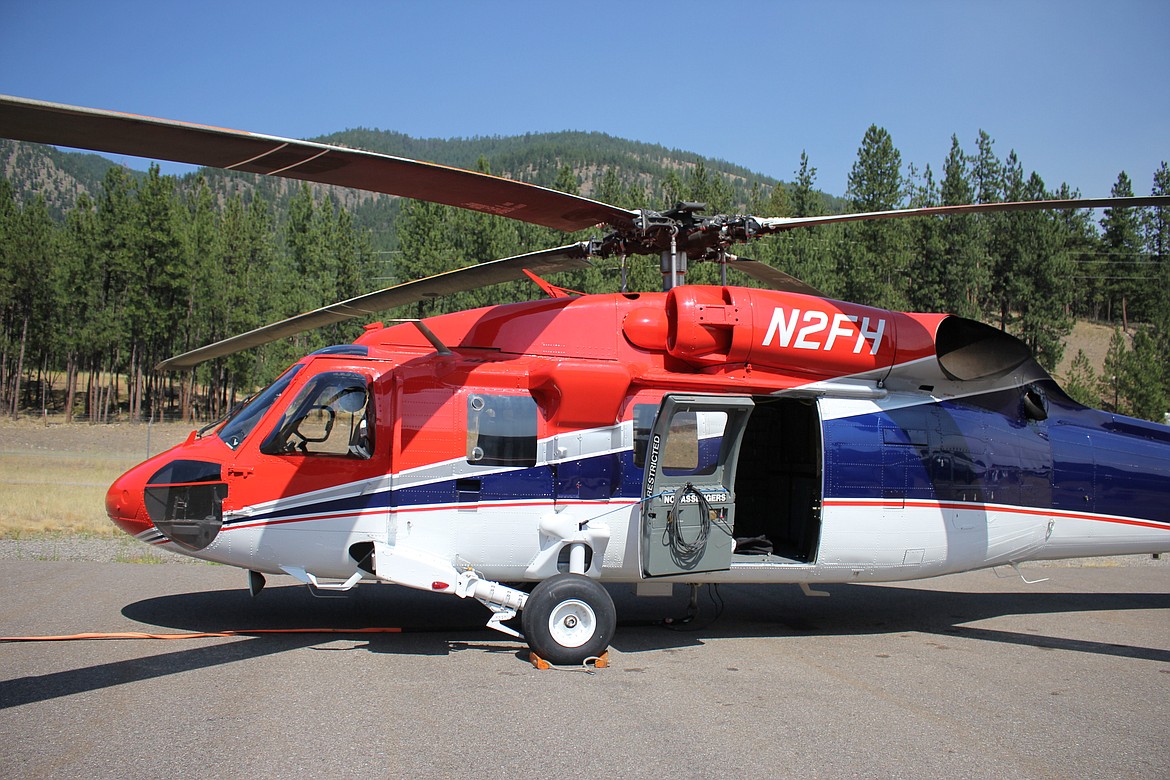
97 289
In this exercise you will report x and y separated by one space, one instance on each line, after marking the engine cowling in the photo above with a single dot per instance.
706 326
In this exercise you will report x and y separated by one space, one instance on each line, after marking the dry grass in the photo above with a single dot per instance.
1091 337
53 477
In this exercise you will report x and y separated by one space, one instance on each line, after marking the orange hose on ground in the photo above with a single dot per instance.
199 635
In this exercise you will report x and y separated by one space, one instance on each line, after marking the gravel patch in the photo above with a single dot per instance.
94 550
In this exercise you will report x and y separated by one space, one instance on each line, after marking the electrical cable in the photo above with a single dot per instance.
688 623
687 554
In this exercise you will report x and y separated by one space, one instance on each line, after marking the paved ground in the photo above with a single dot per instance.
970 676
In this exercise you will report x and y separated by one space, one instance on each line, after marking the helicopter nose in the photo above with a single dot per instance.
124 503
179 498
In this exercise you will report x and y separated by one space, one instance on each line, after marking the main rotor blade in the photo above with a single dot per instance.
778 224
163 139
773 277
562 258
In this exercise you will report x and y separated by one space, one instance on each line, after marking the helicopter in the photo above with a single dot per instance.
524 454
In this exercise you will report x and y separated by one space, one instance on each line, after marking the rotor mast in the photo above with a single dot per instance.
674 266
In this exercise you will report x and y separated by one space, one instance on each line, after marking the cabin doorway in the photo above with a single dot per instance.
778 483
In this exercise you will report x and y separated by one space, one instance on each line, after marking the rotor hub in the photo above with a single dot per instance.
681 229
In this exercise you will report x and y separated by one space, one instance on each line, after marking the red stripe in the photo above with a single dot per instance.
303 519
891 503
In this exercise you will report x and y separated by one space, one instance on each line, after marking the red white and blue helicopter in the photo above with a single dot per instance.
703 434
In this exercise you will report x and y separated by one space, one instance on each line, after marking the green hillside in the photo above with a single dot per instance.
640 169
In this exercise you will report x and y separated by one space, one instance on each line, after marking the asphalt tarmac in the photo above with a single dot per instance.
969 676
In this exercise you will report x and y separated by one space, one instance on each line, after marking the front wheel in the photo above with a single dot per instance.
568 618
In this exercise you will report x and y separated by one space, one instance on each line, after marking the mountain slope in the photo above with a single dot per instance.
535 157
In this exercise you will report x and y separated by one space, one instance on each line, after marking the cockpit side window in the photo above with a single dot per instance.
332 415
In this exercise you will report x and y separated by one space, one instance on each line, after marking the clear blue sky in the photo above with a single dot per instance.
1080 90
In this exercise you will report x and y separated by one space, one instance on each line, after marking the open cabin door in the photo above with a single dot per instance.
688 512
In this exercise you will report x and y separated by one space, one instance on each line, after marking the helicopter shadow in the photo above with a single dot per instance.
425 624
419 623
415 622
731 612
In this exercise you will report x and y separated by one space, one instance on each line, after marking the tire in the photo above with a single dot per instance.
568 619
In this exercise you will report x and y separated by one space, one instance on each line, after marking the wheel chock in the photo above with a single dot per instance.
596 662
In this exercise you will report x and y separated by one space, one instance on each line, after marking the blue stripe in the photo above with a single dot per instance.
982 449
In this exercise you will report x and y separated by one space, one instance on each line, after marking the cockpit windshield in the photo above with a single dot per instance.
241 422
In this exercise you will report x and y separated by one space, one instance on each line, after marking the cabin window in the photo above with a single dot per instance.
332 415
681 454
501 430
692 442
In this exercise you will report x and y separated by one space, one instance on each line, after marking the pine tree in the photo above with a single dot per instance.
641 273
1076 234
75 292
928 263
612 191
673 190
567 180
30 257
1157 234
1132 381
116 217
777 205
965 273
310 231
757 204
805 253
986 170
806 201
1157 246
1041 308
425 247
875 263
1121 241
8 287
254 279
159 289
1081 383
764 201
1144 385
1110 385
987 179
